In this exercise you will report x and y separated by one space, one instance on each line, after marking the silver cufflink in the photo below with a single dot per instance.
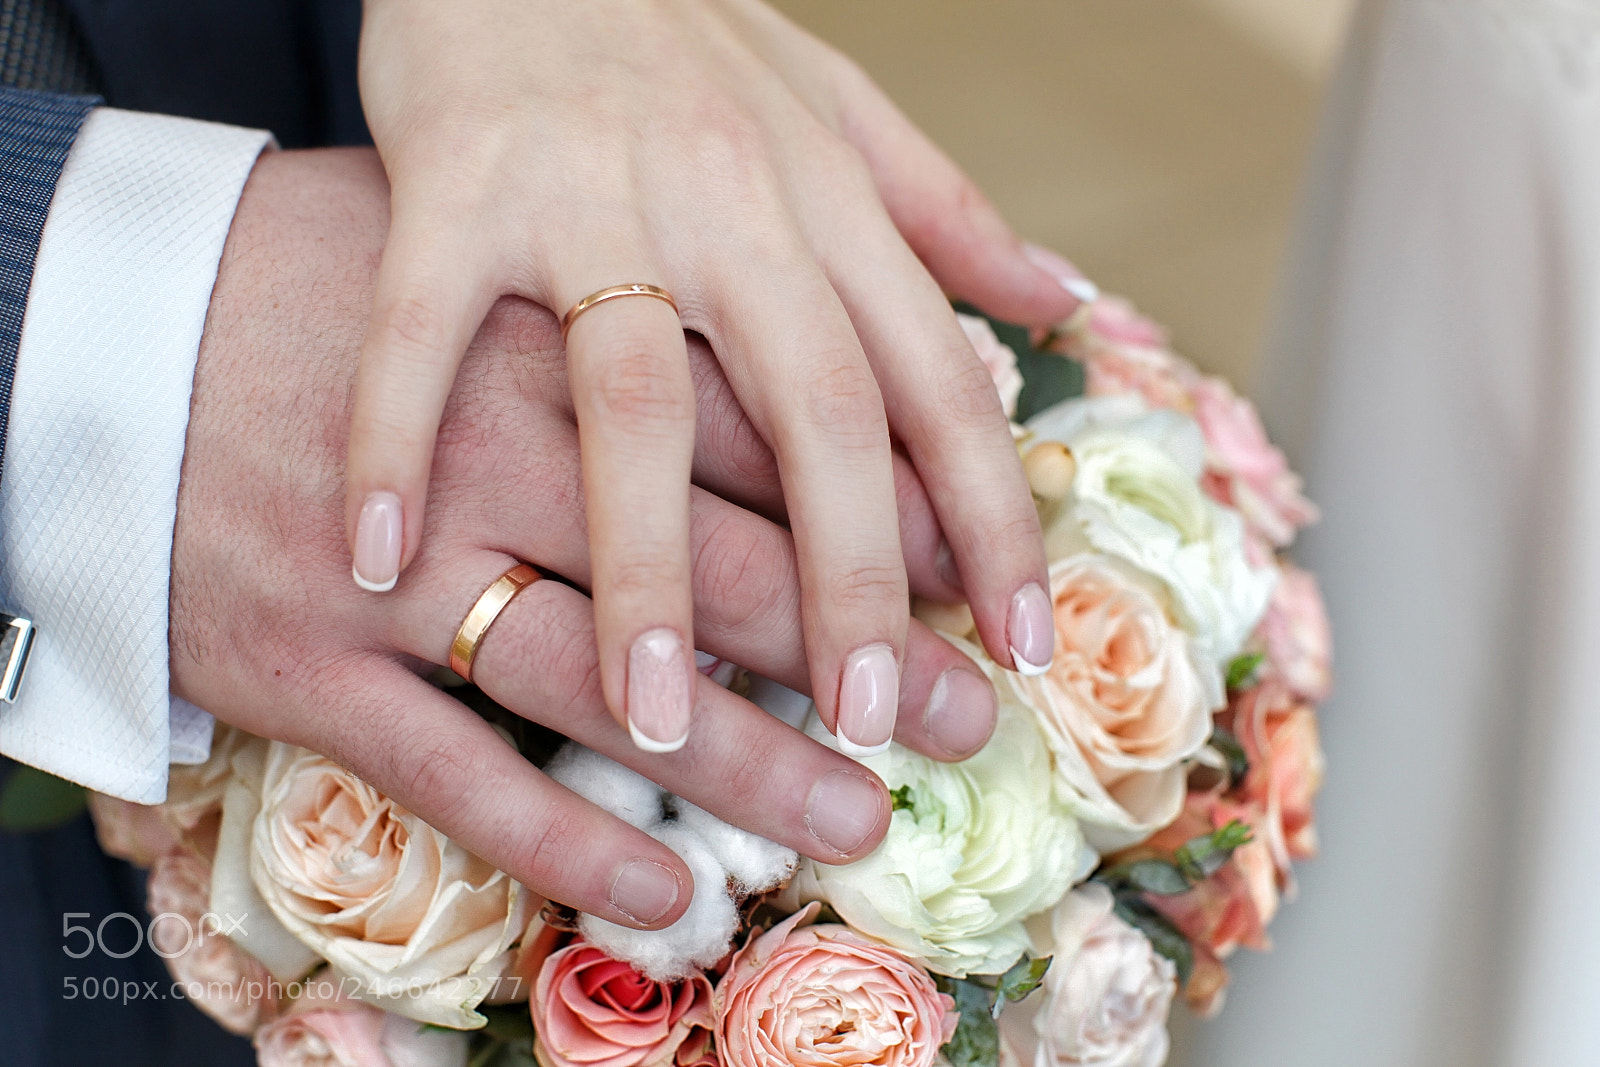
16 641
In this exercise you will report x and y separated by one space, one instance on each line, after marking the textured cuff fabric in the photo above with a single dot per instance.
99 410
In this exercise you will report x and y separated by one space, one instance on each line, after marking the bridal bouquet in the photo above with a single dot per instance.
1134 820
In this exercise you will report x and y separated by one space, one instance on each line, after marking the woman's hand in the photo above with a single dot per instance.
553 149
268 633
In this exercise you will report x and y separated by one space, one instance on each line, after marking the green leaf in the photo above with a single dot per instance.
1164 937
1242 671
1156 876
1230 749
1201 857
901 799
509 1022
31 800
1023 978
1048 378
976 1042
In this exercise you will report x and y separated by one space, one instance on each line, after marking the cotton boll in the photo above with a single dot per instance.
753 863
697 940
631 797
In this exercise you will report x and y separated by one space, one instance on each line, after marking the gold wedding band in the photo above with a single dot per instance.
464 649
611 294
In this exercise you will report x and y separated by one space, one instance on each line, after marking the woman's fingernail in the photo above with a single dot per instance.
869 697
1066 275
659 694
644 890
1031 630
380 531
961 712
844 811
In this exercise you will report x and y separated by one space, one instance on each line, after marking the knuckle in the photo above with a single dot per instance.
742 575
969 393
643 388
642 576
867 583
554 839
442 770
842 398
414 326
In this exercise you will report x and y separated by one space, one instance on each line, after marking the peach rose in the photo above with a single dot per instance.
1123 704
325 1028
1298 640
219 977
134 832
590 1010
1107 993
998 359
1279 737
1244 470
426 927
818 996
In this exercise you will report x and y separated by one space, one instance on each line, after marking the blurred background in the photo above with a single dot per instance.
1157 143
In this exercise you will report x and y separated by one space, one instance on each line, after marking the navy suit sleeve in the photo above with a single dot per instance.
36 133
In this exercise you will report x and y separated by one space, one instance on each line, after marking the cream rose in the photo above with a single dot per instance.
218 977
998 359
820 996
424 926
1107 994
324 1028
972 849
1123 704
1137 496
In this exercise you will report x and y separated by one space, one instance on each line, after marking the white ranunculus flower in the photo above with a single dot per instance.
1137 496
1107 994
973 849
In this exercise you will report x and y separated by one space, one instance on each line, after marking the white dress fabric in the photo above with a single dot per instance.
1438 377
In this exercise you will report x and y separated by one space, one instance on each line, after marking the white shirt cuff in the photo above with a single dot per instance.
99 410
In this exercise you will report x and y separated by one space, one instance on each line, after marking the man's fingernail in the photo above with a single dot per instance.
380 531
644 890
961 712
1031 630
844 811
1066 275
869 696
659 694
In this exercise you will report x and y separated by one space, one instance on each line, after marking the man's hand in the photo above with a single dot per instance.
269 634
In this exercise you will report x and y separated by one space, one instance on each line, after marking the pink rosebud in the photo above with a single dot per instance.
998 359
590 1010
1298 640
1244 469
817 996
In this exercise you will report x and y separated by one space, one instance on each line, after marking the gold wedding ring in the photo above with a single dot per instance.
611 294
464 649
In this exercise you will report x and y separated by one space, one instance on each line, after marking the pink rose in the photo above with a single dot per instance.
1117 320
590 1010
134 832
1298 640
325 1028
1123 704
219 977
1244 470
1279 737
819 996
998 358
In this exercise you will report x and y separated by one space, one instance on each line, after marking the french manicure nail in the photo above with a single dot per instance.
1031 630
869 697
1066 275
379 534
961 712
844 811
644 890
658 691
